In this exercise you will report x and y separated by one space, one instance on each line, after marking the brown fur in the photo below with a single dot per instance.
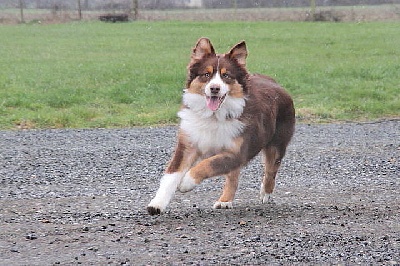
268 118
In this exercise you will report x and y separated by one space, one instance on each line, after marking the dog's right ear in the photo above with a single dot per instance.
203 48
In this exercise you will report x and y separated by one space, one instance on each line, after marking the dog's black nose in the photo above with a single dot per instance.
214 89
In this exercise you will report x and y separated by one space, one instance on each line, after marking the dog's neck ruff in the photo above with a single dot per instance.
211 131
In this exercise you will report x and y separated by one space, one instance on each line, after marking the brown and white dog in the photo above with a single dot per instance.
228 116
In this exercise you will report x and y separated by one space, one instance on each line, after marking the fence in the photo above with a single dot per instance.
56 11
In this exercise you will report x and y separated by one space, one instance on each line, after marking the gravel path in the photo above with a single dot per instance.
80 196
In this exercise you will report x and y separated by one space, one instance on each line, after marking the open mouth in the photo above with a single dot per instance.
214 102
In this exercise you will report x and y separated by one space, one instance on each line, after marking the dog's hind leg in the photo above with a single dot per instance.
272 161
228 193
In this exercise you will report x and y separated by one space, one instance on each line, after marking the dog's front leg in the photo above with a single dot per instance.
168 185
181 162
220 164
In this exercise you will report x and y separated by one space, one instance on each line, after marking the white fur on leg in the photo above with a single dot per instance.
187 184
265 197
168 185
223 205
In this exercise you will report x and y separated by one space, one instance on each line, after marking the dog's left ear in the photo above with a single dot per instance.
239 53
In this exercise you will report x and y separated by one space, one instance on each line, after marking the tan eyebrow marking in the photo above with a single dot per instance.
210 69
223 71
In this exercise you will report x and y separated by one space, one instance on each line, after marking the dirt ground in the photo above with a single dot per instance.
79 197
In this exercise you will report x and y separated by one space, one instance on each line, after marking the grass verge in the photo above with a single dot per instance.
88 75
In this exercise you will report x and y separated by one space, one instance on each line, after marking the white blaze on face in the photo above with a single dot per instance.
215 91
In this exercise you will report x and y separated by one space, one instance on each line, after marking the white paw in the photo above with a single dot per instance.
266 198
168 185
155 207
187 183
223 205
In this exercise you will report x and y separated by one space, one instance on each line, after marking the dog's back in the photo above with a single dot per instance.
228 116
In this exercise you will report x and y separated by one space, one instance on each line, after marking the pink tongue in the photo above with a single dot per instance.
213 103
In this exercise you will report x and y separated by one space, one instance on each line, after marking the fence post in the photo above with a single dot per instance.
234 4
135 7
21 8
313 5
79 10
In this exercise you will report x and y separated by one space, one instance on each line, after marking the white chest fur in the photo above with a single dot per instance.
210 131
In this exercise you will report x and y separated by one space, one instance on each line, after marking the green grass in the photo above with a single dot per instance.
85 75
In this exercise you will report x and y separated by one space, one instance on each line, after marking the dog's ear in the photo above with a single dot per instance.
203 48
239 53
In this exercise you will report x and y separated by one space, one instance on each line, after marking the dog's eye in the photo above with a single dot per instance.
225 76
207 75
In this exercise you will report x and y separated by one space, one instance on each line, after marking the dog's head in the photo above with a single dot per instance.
216 82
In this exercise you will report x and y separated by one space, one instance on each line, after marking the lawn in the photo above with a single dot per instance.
93 74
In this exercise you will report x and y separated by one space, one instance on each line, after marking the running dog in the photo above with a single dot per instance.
227 117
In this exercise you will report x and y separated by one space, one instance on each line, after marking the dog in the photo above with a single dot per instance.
228 116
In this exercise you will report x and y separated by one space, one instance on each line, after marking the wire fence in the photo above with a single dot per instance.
58 11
